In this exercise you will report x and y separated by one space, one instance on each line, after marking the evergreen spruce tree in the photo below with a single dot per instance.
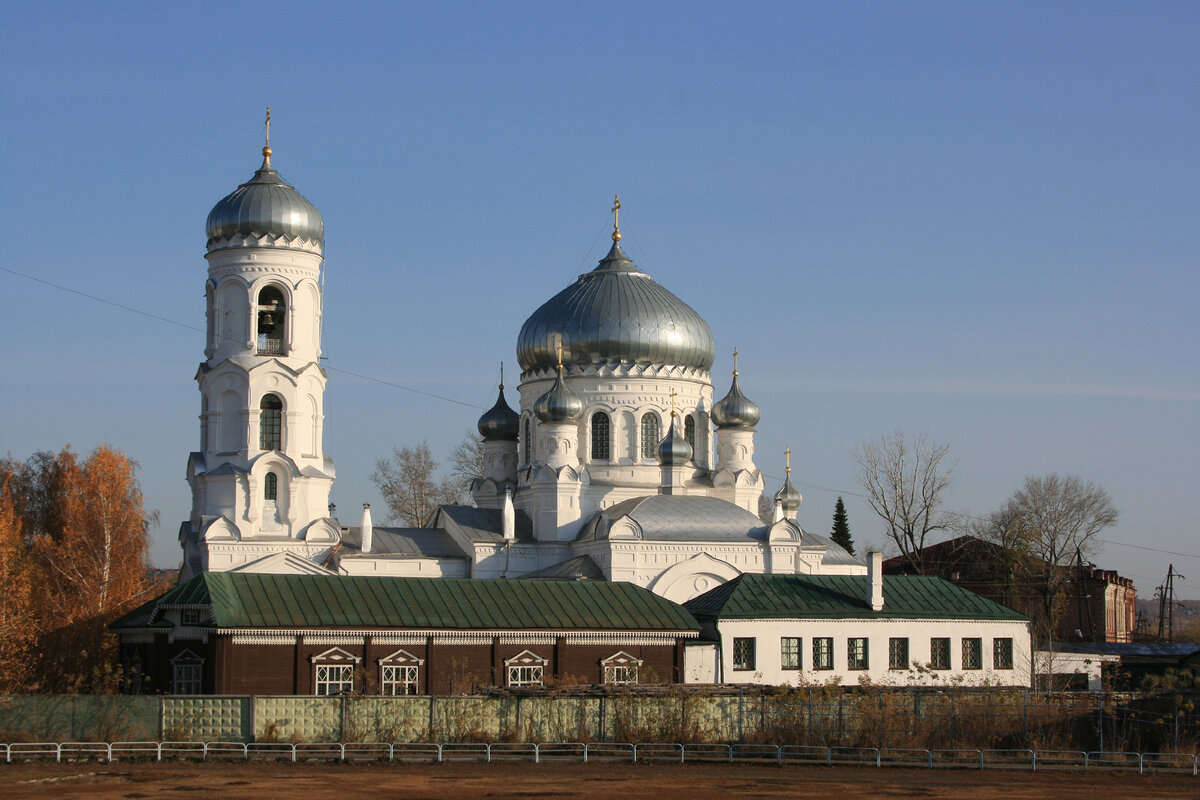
841 528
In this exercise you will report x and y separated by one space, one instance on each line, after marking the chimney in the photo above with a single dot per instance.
508 516
777 514
875 580
367 530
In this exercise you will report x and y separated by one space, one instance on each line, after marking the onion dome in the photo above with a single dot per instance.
615 315
500 423
788 496
264 206
735 410
674 450
559 404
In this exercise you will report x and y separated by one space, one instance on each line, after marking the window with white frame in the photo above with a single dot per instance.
1002 653
898 653
743 653
939 653
621 668
333 672
187 673
400 674
525 669
789 653
823 652
972 653
189 616
650 435
857 656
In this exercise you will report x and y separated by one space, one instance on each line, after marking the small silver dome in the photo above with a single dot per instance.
735 410
500 423
559 404
264 206
674 450
615 314
789 496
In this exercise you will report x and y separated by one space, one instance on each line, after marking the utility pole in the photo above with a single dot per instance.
1166 604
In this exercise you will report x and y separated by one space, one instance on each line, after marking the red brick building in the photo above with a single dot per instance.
245 633
1096 605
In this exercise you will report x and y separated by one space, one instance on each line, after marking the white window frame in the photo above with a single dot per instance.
333 672
525 669
400 674
746 660
858 653
621 668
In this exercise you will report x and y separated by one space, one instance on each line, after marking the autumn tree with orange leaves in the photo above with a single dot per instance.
84 535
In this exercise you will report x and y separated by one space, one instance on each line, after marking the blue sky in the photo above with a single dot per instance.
975 220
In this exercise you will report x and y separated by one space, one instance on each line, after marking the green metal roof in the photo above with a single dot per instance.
248 600
843 596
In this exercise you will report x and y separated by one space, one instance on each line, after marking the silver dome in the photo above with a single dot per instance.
264 206
615 314
500 423
559 404
735 410
674 450
789 496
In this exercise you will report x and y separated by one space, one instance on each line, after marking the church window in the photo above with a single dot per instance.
650 435
743 653
270 486
271 322
689 431
528 443
270 423
601 441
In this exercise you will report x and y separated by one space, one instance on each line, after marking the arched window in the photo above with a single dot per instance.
601 440
650 435
270 486
689 431
528 443
272 321
270 423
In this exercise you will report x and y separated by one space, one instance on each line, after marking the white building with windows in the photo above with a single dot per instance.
805 630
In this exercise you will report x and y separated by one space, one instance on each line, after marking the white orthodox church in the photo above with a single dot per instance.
609 469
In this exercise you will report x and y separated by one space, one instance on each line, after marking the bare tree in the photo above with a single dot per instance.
1054 520
467 463
905 482
410 485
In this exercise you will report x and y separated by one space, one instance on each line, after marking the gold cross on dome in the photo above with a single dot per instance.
672 402
735 372
558 348
788 454
616 210
266 151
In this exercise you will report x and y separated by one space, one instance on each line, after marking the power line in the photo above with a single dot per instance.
185 326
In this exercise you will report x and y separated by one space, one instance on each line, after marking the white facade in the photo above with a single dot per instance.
965 639
260 480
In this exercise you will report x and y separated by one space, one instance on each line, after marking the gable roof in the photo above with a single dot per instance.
480 524
251 600
751 596
669 518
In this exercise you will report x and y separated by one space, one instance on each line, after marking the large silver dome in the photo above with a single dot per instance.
264 206
615 314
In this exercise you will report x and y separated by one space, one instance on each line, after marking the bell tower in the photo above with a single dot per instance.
260 480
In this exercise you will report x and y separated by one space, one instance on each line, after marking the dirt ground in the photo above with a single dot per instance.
262 781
